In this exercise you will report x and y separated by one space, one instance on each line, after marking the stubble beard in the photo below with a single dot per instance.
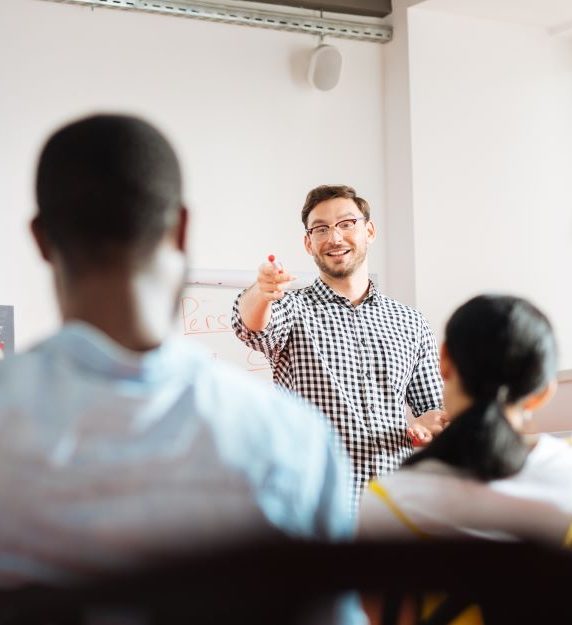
344 272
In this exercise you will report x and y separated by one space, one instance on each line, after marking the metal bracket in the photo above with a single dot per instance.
257 14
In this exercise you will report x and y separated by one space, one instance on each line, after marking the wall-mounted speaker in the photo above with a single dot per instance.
325 67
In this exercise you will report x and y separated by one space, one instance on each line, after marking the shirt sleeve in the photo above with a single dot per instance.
425 389
273 338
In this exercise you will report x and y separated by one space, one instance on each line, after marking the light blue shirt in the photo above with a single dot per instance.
107 455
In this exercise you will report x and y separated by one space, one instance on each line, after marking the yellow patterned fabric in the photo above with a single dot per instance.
471 616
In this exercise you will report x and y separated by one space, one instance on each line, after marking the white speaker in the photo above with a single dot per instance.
325 67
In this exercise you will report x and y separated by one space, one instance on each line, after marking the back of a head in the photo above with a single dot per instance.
501 341
107 185
503 349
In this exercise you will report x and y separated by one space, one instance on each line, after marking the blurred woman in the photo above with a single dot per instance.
481 477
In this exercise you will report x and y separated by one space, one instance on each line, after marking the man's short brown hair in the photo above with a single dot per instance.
328 192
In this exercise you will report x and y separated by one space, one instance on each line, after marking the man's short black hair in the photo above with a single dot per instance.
107 184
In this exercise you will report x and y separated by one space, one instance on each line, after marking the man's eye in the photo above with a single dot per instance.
346 225
321 229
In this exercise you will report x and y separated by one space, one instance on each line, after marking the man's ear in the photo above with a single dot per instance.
537 400
445 363
181 229
308 244
41 239
371 231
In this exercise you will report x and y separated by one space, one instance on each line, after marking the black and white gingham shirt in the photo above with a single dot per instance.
360 365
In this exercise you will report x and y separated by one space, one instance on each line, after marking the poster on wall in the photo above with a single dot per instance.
6 331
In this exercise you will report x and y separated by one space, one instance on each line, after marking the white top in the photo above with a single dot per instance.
107 455
433 499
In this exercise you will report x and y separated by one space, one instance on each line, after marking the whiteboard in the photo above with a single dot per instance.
205 315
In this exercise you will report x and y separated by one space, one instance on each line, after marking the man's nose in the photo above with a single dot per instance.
334 233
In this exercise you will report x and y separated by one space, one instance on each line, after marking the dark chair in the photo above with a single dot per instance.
275 582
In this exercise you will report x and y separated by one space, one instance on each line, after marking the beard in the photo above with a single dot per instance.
343 271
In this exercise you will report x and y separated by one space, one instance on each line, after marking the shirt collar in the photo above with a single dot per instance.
372 298
93 350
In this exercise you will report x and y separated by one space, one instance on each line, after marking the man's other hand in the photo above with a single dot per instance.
427 426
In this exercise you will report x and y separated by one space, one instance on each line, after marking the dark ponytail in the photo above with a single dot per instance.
503 349
480 442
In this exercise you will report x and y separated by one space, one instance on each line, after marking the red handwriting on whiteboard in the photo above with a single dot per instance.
198 319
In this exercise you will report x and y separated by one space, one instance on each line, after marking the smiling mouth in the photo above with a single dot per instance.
337 253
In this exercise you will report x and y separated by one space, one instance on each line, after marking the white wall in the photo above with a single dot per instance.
491 134
252 135
556 416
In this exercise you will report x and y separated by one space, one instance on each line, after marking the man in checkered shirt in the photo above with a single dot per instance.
341 344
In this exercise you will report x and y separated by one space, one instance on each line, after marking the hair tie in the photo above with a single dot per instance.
502 394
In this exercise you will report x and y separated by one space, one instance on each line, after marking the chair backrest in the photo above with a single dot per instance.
277 582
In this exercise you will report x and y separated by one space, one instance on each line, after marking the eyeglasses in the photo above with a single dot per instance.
323 231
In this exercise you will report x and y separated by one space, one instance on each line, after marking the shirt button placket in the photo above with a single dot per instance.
367 382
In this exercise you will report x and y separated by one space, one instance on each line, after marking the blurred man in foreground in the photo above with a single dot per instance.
118 442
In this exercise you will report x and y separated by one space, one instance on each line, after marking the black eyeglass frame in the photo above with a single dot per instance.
309 231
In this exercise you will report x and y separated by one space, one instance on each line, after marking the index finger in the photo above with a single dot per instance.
276 274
